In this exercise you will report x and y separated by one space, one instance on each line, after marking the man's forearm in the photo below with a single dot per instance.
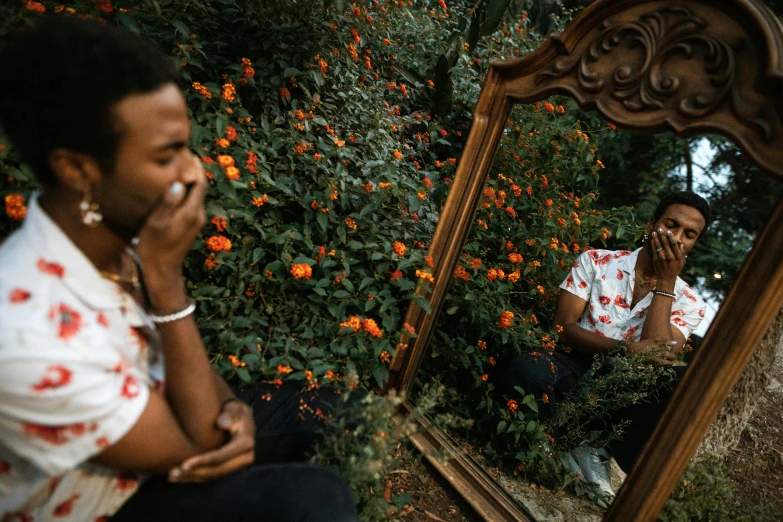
584 341
657 323
223 389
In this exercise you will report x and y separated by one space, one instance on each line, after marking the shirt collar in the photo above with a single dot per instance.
628 263
78 273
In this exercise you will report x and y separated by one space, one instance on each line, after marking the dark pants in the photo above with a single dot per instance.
275 488
555 373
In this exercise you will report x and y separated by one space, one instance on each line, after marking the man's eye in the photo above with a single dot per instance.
166 161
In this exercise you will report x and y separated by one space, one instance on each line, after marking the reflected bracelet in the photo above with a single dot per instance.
176 316
661 292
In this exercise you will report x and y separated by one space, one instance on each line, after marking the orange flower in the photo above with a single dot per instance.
229 92
247 68
443 132
461 273
385 356
411 330
514 276
399 248
515 258
252 162
549 107
284 369
301 271
317 157
425 275
475 263
350 223
35 7
397 154
218 244
541 290
492 274
367 187
427 182
15 207
482 345
428 259
506 319
484 377
300 148
396 275
259 202
492 361
235 361
371 328
284 92
220 223
222 143
453 161
231 133
232 173
512 405
211 262
225 161
353 322
511 212
545 398
299 115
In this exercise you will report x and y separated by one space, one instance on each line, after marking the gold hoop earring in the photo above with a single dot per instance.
91 215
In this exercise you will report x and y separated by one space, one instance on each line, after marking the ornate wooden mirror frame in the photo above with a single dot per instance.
690 67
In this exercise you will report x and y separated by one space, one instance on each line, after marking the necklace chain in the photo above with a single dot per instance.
133 280
643 281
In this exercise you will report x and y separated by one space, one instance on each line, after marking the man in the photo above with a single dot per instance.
621 303
86 400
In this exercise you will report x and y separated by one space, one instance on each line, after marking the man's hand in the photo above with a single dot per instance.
239 452
167 235
656 351
668 258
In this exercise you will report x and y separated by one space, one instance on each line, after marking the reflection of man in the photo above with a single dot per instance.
622 303
84 333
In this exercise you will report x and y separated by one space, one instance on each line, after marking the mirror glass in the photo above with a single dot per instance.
560 264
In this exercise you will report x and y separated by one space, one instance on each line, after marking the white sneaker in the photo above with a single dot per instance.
595 469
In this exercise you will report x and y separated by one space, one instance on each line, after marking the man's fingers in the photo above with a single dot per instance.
203 474
233 448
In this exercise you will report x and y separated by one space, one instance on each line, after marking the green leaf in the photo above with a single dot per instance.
530 402
501 426
381 374
444 88
496 9
348 285
184 31
366 282
128 22
243 374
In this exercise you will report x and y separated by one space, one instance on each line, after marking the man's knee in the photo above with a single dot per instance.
533 372
328 496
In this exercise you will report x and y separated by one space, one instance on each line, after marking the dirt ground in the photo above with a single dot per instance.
755 465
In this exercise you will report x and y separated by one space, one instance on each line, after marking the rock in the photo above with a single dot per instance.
773 385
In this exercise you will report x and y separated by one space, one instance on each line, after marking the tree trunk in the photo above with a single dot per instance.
725 432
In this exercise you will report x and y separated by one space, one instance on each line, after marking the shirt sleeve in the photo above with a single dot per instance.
58 406
688 312
580 281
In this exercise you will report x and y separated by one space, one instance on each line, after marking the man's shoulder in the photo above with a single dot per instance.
602 257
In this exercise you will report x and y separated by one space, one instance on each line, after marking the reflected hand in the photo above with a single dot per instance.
239 452
668 257
655 351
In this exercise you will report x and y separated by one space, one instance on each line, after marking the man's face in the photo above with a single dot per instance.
685 223
152 153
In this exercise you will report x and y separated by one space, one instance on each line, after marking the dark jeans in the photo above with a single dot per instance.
555 373
275 488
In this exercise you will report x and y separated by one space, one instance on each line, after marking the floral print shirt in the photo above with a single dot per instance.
77 358
606 278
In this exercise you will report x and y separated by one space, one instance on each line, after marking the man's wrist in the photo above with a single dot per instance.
666 285
167 297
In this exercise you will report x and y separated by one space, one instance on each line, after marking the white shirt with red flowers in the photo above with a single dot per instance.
606 278
77 357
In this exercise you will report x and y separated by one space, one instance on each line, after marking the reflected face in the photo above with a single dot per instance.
152 153
685 223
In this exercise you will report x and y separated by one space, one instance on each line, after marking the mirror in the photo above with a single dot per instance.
645 66
557 188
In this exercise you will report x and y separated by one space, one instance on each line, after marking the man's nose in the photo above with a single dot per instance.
191 168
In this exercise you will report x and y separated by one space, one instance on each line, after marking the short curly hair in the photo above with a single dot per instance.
63 77
687 198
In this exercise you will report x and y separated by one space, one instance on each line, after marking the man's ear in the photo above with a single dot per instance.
75 170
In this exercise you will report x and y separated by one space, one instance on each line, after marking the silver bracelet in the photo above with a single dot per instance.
661 292
176 316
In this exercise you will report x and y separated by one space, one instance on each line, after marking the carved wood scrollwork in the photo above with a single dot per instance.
647 84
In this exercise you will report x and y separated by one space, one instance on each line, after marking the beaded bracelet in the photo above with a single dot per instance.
661 292
176 316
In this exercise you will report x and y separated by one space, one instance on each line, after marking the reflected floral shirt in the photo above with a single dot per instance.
77 358
606 278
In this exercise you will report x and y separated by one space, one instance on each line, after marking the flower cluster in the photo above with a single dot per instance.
15 207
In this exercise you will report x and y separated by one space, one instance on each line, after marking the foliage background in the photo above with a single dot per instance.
331 132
